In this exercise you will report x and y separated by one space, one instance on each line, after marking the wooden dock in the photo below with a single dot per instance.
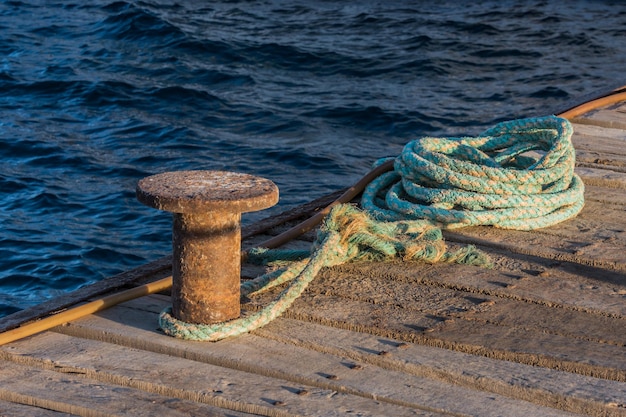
543 333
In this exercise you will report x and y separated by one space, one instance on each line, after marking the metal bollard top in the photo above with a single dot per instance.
203 191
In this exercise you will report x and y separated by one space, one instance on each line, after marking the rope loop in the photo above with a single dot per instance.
347 234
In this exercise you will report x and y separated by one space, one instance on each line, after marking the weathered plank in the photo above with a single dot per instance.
301 365
8 409
609 196
75 394
600 155
475 310
611 117
602 177
606 259
184 379
544 386
603 143
525 279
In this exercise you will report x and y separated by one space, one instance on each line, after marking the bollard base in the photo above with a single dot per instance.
206 267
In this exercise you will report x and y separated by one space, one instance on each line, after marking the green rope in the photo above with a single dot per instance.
486 180
437 183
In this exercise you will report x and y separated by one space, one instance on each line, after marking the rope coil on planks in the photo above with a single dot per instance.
486 180
436 183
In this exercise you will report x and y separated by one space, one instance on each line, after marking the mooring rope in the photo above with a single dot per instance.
436 183
486 180
346 234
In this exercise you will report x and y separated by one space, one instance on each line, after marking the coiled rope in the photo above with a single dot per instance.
436 183
486 180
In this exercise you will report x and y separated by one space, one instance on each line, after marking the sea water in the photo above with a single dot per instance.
95 95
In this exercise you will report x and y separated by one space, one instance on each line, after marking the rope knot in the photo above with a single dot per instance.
358 236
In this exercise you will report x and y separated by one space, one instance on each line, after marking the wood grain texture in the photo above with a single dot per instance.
11 409
613 117
297 364
73 393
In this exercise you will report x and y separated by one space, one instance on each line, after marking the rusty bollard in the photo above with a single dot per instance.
206 236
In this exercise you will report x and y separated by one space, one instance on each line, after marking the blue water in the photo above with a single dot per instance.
97 95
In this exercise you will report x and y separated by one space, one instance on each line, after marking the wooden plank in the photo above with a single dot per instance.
600 148
185 379
550 387
610 117
464 314
599 139
444 289
599 224
604 262
8 409
77 395
530 281
602 177
301 365
610 196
